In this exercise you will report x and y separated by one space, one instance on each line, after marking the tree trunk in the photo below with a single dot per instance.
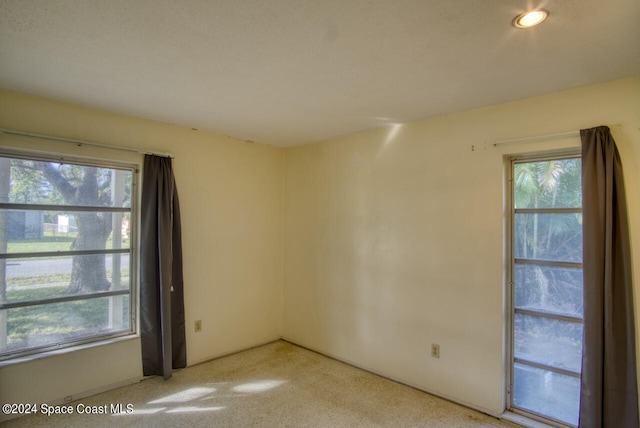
89 272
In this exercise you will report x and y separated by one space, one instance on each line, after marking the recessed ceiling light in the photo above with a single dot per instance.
530 18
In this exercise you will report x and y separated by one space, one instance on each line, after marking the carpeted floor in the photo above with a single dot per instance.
276 385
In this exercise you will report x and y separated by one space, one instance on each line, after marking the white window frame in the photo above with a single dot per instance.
132 292
509 165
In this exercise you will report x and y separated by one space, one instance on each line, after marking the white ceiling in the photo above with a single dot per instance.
288 72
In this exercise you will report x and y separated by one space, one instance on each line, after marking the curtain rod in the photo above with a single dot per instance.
536 138
81 143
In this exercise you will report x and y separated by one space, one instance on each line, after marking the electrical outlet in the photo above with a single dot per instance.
435 350
198 326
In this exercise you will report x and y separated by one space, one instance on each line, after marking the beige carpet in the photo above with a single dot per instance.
276 385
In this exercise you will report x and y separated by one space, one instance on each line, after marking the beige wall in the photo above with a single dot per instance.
394 237
231 199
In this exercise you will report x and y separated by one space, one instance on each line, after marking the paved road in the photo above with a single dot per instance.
58 265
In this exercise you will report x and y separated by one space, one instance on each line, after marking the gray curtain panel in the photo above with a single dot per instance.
609 396
162 325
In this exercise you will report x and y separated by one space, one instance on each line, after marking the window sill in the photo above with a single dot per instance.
58 352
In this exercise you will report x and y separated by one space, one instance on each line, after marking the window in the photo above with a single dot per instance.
66 269
545 279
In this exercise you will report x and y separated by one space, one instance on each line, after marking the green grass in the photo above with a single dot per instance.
47 244
27 283
56 322
39 245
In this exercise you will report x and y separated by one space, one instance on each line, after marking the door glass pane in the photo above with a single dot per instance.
546 393
555 237
549 289
555 343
